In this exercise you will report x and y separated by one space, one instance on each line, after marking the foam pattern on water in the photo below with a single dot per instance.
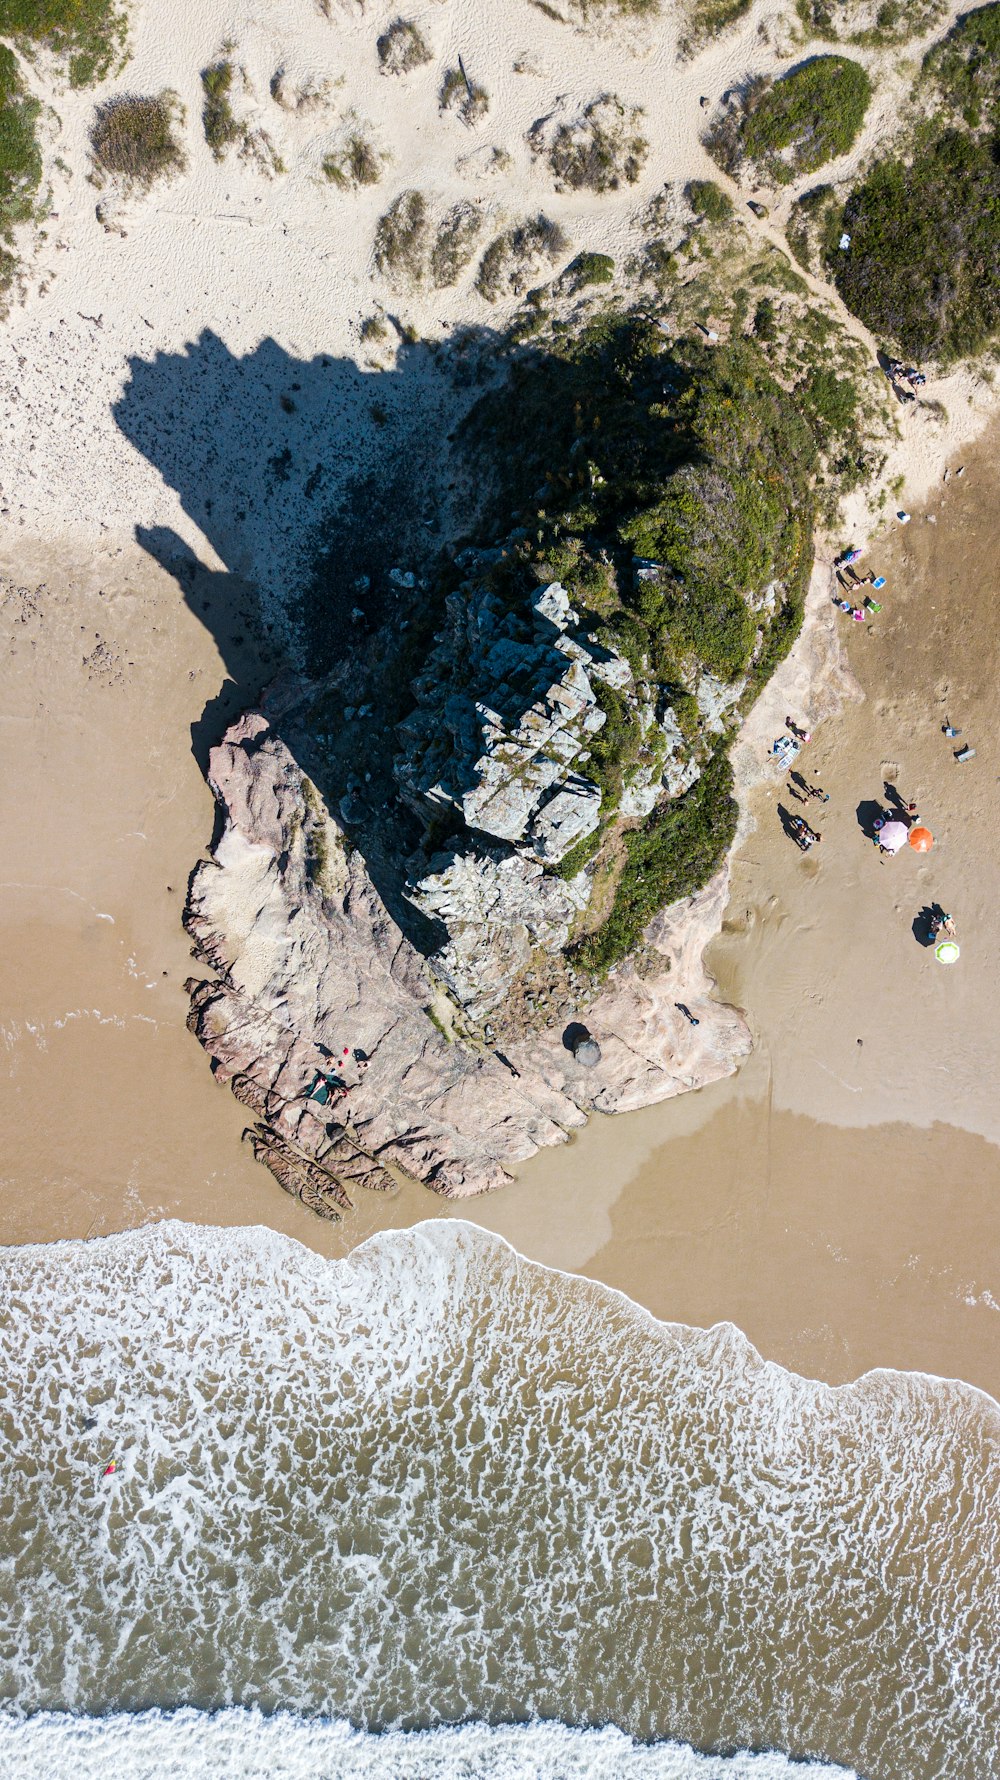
435 1483
242 1745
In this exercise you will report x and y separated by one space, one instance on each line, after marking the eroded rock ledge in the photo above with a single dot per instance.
313 979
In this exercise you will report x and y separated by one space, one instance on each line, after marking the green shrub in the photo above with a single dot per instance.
709 200
20 158
795 124
134 137
88 34
681 845
401 48
218 118
965 68
588 268
923 269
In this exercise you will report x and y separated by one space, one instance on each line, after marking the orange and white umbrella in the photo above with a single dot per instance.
920 839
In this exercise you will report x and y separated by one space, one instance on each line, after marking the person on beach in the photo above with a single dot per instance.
801 735
817 791
805 837
942 924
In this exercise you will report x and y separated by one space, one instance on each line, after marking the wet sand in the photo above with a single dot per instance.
834 1200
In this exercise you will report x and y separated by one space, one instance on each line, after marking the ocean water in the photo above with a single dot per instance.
435 1485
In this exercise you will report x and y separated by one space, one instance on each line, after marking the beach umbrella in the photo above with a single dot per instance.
892 836
947 952
920 839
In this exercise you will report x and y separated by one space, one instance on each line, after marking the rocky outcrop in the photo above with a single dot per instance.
508 705
496 907
336 1034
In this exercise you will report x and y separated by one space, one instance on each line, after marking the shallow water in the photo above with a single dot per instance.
435 1483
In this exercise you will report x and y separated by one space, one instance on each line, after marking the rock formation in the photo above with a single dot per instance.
336 1034
508 704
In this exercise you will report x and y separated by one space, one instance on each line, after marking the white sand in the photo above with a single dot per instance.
286 261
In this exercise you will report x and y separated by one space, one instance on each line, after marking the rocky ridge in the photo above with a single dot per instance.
498 748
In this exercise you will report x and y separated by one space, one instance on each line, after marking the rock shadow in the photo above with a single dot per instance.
309 482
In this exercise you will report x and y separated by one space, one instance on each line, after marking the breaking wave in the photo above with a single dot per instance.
435 1485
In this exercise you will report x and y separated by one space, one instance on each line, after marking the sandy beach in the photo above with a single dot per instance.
832 1199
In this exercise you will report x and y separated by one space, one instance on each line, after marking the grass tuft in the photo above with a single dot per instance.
219 121
513 257
455 243
598 151
467 97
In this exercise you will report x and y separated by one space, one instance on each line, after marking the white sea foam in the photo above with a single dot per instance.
436 1484
235 1745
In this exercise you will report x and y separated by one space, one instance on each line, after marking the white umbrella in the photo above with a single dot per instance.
892 836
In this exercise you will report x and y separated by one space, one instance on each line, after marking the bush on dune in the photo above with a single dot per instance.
134 136
924 264
87 34
20 158
965 68
789 127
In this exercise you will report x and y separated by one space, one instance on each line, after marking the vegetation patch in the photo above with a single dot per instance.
587 269
709 200
707 18
219 121
135 138
814 227
455 243
402 47
598 151
789 127
356 162
20 159
88 35
675 852
466 97
402 237
869 22
923 270
514 257
964 69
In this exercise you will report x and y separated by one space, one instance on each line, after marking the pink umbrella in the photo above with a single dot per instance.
892 836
